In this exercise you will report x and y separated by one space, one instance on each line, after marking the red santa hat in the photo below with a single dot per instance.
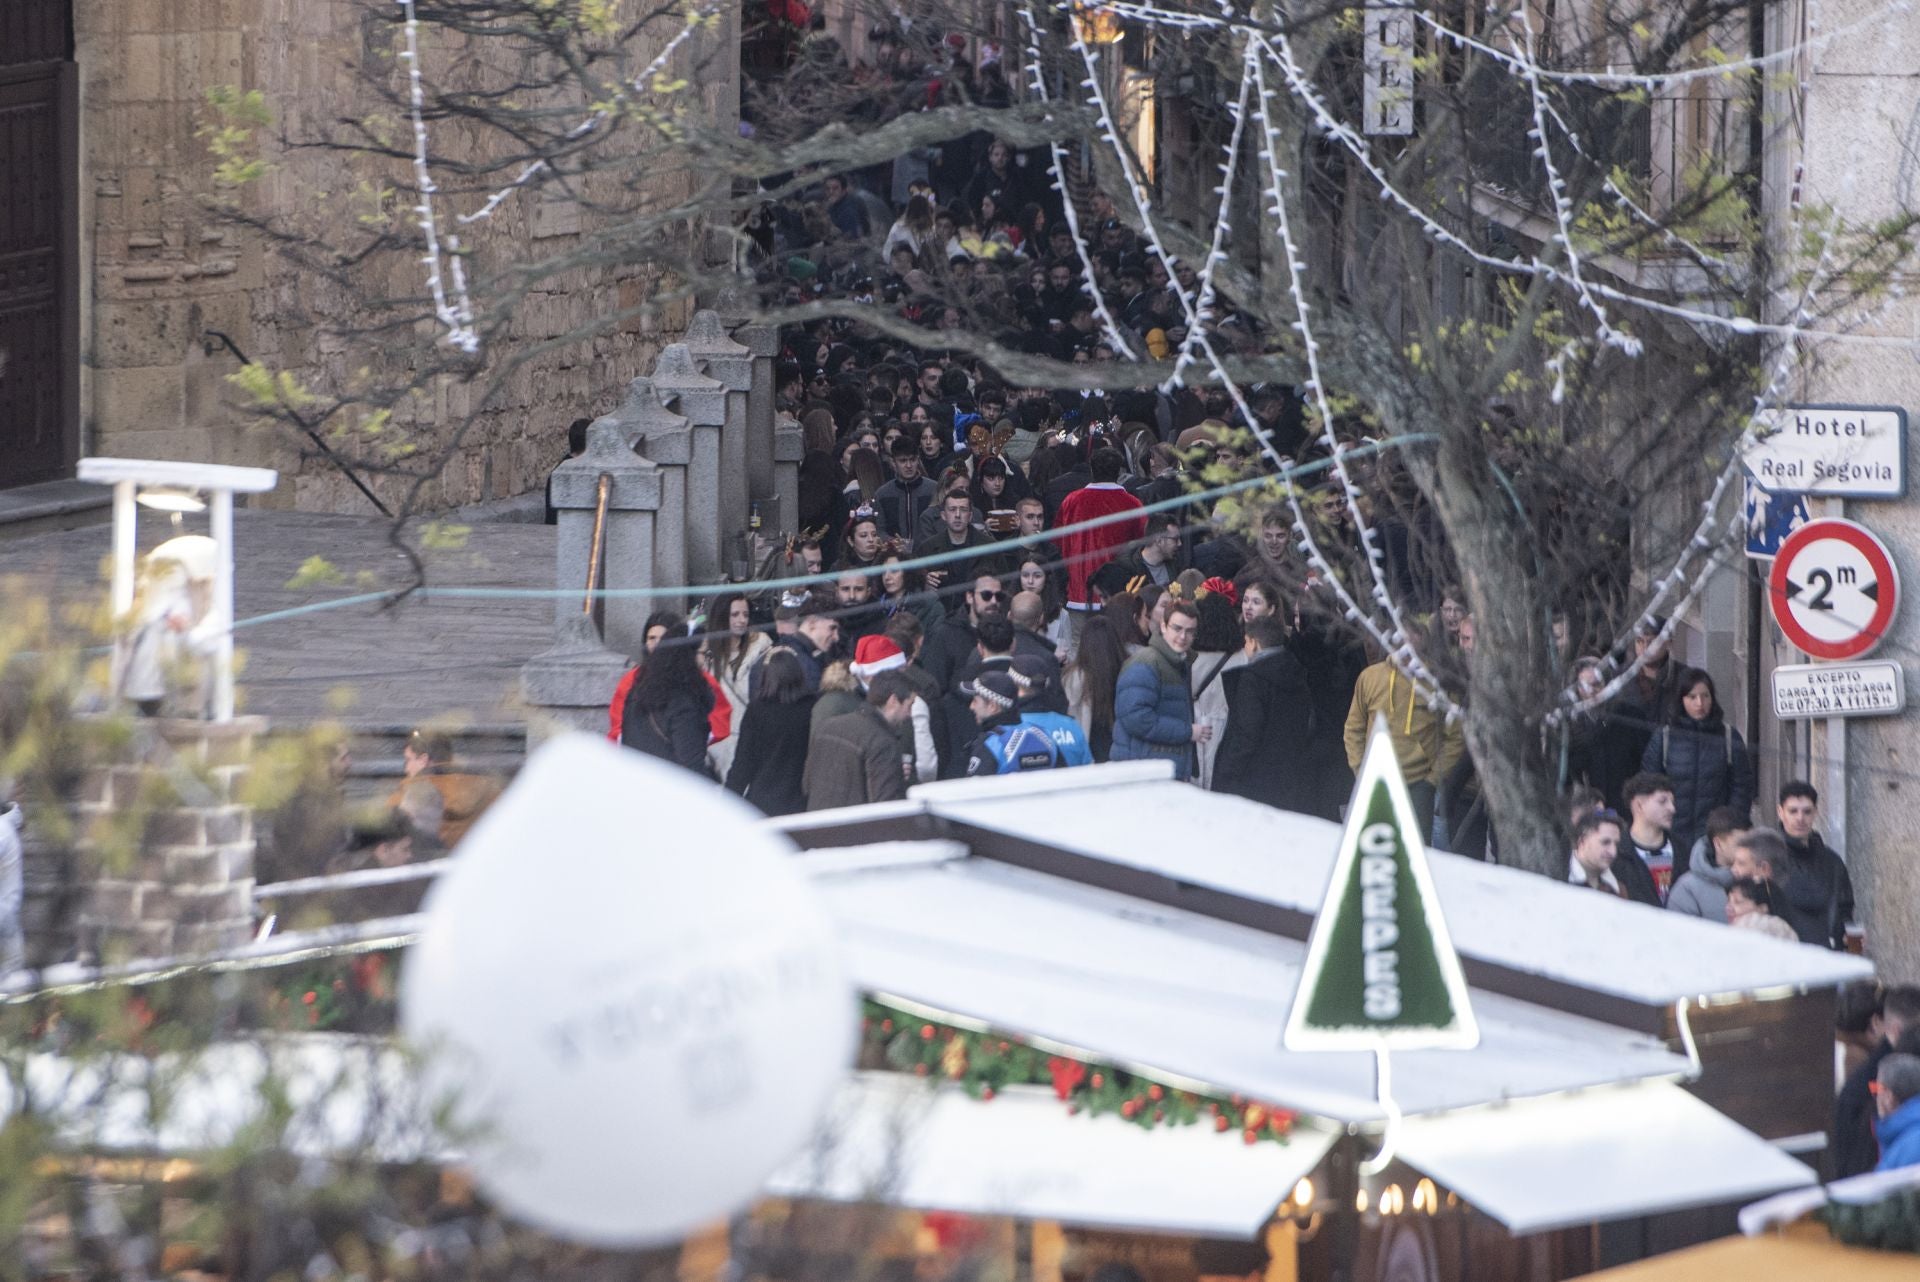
874 655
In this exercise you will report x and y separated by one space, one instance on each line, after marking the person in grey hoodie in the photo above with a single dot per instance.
1701 891
12 939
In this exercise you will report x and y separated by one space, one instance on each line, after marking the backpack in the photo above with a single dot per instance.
1666 737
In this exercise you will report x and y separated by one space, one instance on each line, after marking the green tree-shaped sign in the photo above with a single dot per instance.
1381 971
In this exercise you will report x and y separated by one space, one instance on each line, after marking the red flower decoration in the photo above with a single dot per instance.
309 997
1222 586
1067 1075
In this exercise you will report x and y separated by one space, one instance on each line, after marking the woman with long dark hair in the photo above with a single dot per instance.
727 655
1033 231
1126 613
772 756
992 487
864 544
667 708
936 446
1057 629
1704 756
900 589
1089 680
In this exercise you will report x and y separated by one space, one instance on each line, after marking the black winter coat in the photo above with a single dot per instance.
1332 666
1263 756
771 756
1855 1148
1814 892
676 733
1709 765
1635 878
947 649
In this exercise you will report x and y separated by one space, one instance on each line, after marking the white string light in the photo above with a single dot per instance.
456 316
456 312
637 84
1394 642
1339 131
1563 220
1316 387
1216 250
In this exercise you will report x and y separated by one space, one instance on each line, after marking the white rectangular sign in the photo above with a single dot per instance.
1387 54
1839 451
1803 690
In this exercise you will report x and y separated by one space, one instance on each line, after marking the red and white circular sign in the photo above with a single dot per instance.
1834 589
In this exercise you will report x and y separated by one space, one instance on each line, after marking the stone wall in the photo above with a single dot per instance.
160 268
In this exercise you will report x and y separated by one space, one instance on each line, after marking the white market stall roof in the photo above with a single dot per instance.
1192 998
1607 1154
893 1139
1134 815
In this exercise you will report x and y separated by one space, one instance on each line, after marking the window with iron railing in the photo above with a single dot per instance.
1614 132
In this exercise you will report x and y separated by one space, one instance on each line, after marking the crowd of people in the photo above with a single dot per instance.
1008 575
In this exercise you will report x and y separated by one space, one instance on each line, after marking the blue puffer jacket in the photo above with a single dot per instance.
1153 710
1899 1133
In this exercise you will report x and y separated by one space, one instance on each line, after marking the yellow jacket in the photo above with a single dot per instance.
1427 746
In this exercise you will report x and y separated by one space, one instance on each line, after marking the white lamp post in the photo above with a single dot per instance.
176 487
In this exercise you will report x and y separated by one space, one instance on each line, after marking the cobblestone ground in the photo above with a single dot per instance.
407 663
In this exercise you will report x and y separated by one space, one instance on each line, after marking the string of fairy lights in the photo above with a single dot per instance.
1509 39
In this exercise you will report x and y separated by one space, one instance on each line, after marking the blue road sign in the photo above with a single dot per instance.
1771 517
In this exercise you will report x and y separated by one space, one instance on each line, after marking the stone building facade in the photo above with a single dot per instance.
1854 104
145 267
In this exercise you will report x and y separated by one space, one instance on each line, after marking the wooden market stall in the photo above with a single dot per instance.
1124 919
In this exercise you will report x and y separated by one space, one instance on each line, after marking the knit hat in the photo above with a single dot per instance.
996 687
874 655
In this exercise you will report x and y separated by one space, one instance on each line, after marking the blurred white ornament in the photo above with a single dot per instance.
629 995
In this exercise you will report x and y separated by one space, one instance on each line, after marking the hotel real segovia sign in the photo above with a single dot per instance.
1837 451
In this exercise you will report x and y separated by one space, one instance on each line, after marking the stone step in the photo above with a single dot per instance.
53 505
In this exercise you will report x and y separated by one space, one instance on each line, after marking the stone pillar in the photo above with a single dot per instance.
627 549
732 365
666 439
789 443
567 686
187 888
704 403
763 342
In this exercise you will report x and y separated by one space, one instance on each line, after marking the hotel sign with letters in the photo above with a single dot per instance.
1833 451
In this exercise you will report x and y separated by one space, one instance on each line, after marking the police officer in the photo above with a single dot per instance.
1032 677
1004 744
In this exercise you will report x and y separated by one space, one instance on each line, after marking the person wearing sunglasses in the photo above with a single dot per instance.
953 642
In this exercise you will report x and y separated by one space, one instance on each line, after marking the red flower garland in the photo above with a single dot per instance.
985 1063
